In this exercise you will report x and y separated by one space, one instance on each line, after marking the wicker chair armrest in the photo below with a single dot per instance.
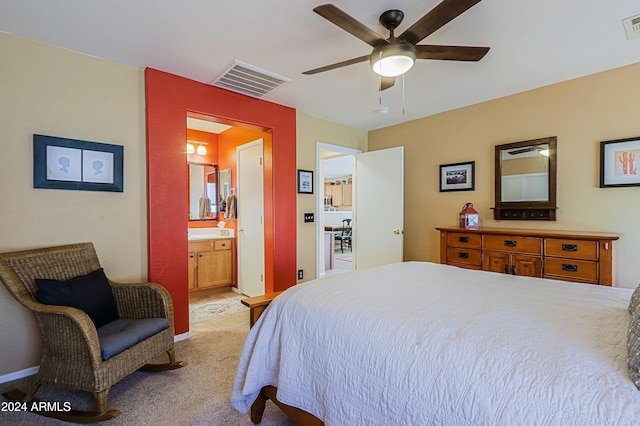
142 300
67 333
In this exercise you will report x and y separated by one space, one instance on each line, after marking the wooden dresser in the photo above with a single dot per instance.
563 255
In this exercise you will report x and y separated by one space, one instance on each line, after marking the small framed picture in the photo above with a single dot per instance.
620 163
61 163
457 177
305 181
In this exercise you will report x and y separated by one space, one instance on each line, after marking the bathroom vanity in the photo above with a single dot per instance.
211 258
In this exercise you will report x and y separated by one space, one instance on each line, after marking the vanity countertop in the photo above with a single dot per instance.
199 234
207 237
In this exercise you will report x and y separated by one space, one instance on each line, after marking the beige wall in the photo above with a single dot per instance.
581 113
309 131
56 92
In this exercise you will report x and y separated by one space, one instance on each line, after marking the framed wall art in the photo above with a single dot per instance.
62 163
620 163
457 176
305 182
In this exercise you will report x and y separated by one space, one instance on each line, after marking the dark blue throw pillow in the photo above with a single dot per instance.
90 293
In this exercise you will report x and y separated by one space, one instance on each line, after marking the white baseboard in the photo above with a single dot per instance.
19 374
182 336
33 370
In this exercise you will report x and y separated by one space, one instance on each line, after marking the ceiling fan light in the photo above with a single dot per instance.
393 60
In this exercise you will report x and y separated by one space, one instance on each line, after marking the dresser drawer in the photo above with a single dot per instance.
222 244
470 257
581 270
571 249
464 239
527 245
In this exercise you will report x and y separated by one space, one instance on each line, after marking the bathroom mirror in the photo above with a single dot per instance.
203 191
525 180
225 188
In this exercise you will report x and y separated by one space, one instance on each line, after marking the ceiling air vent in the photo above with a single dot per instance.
249 80
632 26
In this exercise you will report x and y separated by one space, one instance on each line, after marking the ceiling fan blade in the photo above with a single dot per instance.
521 150
386 82
435 19
451 53
337 65
331 13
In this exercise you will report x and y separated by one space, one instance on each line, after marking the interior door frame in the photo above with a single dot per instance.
320 199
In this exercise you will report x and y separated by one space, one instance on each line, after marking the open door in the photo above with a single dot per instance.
250 209
378 231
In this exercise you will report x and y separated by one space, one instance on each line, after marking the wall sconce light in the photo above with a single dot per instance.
202 150
190 148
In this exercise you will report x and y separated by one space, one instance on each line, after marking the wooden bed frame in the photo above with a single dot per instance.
257 305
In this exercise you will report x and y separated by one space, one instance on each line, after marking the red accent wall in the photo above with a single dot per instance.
168 99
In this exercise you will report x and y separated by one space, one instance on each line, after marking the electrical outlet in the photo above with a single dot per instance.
300 274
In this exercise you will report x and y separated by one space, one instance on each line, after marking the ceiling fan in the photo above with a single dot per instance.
394 56
541 149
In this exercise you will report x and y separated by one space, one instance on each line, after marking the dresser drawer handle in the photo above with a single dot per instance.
570 247
569 268
463 239
463 255
510 243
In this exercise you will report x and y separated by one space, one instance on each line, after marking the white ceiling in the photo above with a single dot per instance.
533 44
337 167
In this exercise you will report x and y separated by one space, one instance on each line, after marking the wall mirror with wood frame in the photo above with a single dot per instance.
525 180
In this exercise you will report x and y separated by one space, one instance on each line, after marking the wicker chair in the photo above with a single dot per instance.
71 351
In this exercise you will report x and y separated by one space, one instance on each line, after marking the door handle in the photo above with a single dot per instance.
240 229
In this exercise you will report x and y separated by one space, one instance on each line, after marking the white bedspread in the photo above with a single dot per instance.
419 343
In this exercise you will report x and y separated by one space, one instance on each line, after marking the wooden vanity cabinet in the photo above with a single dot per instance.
210 263
570 256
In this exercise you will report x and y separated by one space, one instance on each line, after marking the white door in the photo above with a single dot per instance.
379 207
250 208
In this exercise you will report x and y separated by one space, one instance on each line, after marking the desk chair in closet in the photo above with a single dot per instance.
345 236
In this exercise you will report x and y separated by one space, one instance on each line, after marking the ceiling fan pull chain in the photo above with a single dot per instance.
403 94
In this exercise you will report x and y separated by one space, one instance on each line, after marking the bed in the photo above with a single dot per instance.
420 343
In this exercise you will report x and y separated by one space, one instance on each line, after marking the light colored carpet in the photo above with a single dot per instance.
197 394
214 309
